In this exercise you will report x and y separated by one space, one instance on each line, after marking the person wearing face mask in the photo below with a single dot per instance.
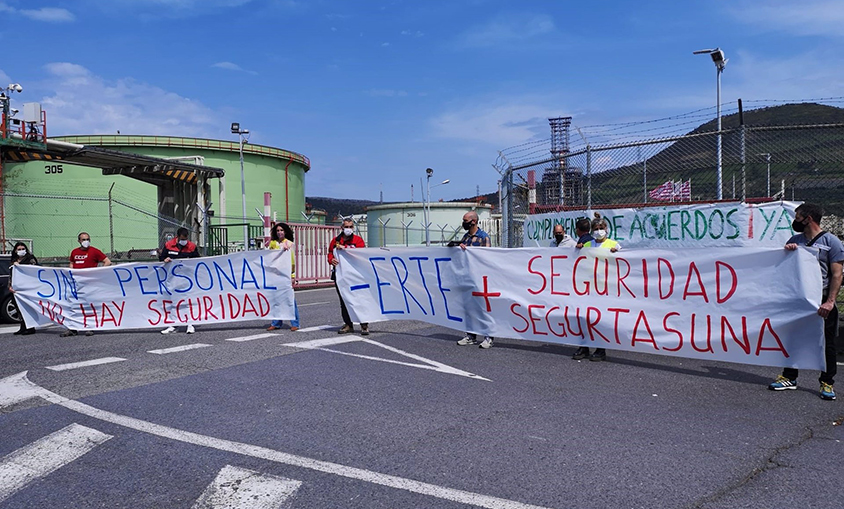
561 238
600 240
21 256
281 237
85 256
346 240
474 237
830 252
176 248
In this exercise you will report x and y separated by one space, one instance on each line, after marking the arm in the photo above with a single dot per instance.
106 262
835 273
331 260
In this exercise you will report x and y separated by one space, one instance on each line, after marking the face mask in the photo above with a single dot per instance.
348 232
183 242
467 225
559 237
21 253
85 244
599 234
798 226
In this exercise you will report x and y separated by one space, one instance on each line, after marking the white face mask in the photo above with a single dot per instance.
85 244
348 232
21 252
183 242
599 234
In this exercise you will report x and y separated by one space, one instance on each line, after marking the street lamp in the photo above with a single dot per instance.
426 208
720 62
244 138
768 159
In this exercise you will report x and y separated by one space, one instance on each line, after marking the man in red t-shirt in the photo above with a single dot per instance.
85 256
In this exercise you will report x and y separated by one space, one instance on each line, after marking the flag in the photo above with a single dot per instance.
683 190
663 192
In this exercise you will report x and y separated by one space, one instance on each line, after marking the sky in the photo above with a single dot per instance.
375 92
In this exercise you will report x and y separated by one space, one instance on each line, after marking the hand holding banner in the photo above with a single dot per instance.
747 305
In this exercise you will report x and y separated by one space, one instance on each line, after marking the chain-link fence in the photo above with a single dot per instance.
119 228
753 164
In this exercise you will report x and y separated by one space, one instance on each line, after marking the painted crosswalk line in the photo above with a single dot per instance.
239 488
46 455
85 364
183 348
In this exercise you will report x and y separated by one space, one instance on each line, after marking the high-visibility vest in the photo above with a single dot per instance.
608 244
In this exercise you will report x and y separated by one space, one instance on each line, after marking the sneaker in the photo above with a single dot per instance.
346 329
68 333
467 340
292 328
190 329
581 353
827 392
782 383
168 330
599 355
487 342
364 329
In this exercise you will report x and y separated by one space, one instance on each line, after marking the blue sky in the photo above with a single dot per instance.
374 92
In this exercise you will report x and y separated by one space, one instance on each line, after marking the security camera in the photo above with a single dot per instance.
18 88
429 171
14 111
717 56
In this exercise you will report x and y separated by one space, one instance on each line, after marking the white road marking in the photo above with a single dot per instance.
318 327
46 455
182 348
312 304
320 344
84 364
239 488
250 338
254 451
315 344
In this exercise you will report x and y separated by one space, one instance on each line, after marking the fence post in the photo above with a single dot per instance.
384 231
589 177
406 232
110 221
743 159
442 233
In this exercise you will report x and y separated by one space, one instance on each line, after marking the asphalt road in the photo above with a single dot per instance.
403 418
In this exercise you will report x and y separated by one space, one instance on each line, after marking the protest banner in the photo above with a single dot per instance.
671 226
746 305
248 285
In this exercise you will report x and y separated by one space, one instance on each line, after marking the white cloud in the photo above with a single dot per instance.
507 30
231 66
808 17
46 14
412 33
385 44
499 123
49 14
84 103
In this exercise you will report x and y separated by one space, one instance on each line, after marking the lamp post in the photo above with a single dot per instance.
426 207
244 138
720 62
768 160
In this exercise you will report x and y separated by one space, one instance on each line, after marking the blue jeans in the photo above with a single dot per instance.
294 322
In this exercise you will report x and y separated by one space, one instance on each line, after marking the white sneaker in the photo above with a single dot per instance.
168 330
467 340
190 330
487 342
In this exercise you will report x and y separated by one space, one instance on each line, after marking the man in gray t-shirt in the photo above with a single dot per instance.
830 252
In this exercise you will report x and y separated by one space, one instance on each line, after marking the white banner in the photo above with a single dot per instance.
746 305
247 285
672 226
